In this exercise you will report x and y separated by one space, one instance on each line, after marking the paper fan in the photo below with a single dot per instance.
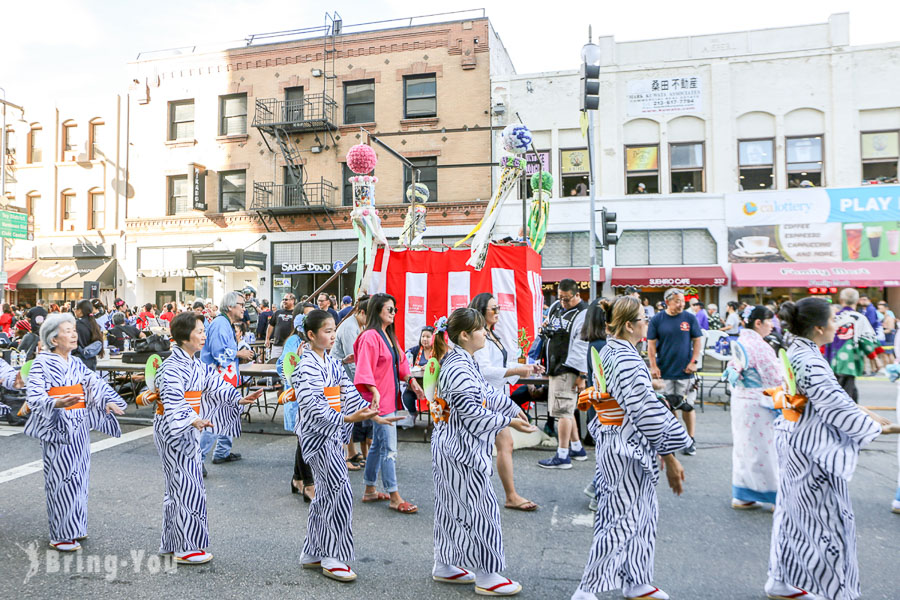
790 381
150 370
739 355
599 377
25 370
291 360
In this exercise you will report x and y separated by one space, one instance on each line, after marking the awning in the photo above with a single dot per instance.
15 270
669 276
578 274
69 273
876 274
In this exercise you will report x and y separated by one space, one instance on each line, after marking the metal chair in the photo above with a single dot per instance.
712 338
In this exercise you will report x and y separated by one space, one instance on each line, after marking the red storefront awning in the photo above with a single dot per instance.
669 276
875 274
15 269
582 274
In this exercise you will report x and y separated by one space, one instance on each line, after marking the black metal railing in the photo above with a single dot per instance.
294 197
313 111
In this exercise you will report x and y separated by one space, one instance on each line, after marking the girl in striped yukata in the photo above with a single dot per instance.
193 396
813 547
466 512
329 404
67 400
632 431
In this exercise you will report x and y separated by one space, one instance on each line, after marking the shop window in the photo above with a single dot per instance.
642 169
427 174
179 201
804 161
686 162
233 114
181 120
638 247
232 191
880 155
97 211
69 144
94 133
420 96
35 145
359 102
533 163
756 160
575 167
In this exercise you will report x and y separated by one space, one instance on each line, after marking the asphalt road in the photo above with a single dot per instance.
705 550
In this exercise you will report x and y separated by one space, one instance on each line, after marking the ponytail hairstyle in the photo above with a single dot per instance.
624 310
595 320
801 318
314 321
464 320
441 345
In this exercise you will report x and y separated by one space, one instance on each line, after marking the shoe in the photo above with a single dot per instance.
690 450
895 507
555 462
777 590
644 592
335 569
204 470
578 454
451 574
66 546
310 562
294 488
230 458
194 557
590 491
741 505
508 587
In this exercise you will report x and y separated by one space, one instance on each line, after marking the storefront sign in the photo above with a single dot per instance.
574 161
816 242
664 95
198 186
167 273
870 203
879 274
304 268
531 162
281 281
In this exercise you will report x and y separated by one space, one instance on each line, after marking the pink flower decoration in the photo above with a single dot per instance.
361 159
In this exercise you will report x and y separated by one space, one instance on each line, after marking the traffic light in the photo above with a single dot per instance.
608 228
590 86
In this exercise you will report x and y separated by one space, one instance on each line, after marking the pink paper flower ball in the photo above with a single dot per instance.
361 159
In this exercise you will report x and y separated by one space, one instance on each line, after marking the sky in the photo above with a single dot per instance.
70 51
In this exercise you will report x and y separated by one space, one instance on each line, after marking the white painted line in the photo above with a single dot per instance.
553 519
38 465
8 430
585 520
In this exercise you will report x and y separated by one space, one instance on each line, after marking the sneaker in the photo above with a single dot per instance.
578 454
230 458
204 470
590 491
592 506
555 462
690 450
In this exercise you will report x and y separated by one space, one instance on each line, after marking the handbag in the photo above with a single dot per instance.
153 343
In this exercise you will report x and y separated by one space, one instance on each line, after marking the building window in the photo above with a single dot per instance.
642 169
880 155
232 191
575 168
181 120
427 174
69 210
68 138
179 196
359 102
569 249
347 187
666 247
804 161
98 211
233 114
293 104
94 143
756 160
35 148
419 96
686 165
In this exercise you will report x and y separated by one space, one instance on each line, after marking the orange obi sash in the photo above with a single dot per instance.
439 411
192 397
286 396
56 392
791 407
333 397
608 410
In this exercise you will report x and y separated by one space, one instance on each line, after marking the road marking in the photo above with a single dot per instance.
8 430
585 520
553 519
38 465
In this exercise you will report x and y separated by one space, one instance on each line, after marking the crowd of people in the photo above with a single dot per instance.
348 384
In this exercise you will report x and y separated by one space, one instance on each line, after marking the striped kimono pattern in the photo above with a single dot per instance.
627 472
7 380
813 530
65 437
754 465
466 513
185 524
322 432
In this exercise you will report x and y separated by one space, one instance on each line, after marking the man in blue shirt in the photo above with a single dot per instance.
221 351
674 344
700 314
346 307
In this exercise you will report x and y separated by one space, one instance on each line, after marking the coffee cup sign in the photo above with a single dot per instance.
753 243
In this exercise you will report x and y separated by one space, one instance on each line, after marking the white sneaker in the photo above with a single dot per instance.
895 506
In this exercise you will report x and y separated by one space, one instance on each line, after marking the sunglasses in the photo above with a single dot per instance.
495 309
391 310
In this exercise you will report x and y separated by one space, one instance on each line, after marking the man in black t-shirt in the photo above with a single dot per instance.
36 316
281 325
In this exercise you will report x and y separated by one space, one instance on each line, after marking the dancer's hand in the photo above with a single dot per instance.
376 398
890 428
67 400
523 426
19 383
112 407
674 473
416 388
201 424
362 414
250 398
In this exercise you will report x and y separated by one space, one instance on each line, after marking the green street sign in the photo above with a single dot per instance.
13 225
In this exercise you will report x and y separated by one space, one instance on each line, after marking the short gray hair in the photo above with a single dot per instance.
849 297
672 292
50 328
230 300
118 318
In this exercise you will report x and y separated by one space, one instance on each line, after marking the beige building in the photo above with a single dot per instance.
239 161
67 171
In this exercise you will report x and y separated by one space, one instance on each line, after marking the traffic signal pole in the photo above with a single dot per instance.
593 211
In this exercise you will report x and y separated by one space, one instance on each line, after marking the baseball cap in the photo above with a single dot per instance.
347 300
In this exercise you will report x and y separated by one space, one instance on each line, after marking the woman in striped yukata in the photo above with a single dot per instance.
67 400
329 405
633 431
193 396
813 547
466 512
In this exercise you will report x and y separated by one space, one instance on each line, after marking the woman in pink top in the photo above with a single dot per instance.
380 366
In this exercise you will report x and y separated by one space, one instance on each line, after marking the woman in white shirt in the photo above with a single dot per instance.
493 362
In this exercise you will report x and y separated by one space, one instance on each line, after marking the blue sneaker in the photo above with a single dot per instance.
578 454
555 462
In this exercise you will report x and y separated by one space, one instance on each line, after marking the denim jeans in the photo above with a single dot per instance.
383 456
222 442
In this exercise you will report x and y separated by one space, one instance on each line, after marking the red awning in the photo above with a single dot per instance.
669 276
875 274
582 274
15 269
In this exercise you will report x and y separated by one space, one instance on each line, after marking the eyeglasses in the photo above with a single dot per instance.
391 309
495 309
566 298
